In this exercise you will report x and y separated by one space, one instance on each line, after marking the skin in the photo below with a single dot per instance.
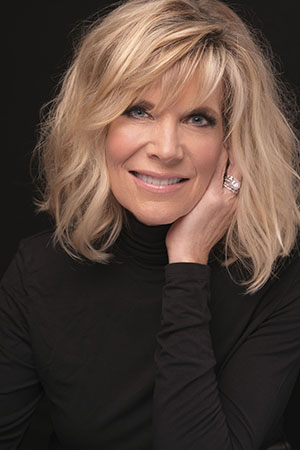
185 141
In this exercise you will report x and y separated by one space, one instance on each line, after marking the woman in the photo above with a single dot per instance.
171 286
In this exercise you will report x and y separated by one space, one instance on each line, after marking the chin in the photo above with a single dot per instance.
153 217
154 221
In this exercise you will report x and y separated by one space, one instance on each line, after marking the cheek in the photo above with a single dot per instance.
206 157
115 145
121 142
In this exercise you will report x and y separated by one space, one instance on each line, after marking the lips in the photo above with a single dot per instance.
158 180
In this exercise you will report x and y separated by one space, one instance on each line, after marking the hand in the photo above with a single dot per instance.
191 237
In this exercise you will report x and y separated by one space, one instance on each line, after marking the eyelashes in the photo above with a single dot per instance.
202 119
136 111
199 118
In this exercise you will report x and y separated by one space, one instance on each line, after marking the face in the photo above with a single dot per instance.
160 163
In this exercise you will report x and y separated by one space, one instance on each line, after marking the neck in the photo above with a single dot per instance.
143 244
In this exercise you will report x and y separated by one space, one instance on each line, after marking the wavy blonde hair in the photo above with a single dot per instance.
121 55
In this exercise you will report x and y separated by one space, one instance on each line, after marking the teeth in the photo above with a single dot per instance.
157 181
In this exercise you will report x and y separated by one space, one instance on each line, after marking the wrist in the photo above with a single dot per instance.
185 258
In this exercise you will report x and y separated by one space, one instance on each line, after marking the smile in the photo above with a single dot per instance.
158 184
158 181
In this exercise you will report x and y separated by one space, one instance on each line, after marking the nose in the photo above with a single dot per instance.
165 143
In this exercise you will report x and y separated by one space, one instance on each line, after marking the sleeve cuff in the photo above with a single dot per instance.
184 270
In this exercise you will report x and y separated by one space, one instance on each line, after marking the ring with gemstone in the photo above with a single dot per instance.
232 184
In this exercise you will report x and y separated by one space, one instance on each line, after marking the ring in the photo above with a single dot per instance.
232 184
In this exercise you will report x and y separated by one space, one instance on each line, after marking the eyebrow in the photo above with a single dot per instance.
145 104
203 109
198 110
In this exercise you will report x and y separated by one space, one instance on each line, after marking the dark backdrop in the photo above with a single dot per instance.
39 40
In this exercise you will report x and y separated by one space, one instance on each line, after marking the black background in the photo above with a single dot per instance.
40 37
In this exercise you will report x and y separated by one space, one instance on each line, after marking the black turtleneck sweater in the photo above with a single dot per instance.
113 345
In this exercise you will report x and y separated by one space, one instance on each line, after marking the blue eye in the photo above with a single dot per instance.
198 120
202 120
136 112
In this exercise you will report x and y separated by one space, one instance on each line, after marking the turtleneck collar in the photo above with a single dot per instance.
142 244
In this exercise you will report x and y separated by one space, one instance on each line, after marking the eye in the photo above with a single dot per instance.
136 112
198 120
201 120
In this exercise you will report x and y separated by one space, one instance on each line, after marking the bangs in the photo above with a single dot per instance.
206 67
167 71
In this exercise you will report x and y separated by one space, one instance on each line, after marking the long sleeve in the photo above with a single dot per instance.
20 390
193 407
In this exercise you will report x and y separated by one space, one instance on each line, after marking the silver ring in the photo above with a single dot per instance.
232 184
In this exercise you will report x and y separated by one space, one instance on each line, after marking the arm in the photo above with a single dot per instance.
20 390
192 408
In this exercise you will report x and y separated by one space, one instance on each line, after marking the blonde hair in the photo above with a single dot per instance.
137 44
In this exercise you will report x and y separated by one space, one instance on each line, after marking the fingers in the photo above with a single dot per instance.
225 166
233 177
232 169
218 176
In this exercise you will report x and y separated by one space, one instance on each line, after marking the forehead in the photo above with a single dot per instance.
189 96
196 81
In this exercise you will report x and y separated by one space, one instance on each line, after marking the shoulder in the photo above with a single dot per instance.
39 261
40 252
282 291
287 269
37 243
